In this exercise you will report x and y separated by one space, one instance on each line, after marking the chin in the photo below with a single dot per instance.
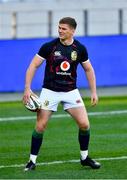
62 38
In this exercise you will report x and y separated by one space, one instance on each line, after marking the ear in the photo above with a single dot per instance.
73 30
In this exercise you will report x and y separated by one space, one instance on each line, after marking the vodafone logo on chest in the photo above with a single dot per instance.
65 66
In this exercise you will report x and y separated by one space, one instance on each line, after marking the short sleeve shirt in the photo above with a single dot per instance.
61 64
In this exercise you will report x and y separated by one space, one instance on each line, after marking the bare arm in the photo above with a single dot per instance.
35 63
92 81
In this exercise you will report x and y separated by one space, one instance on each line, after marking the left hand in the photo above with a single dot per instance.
94 99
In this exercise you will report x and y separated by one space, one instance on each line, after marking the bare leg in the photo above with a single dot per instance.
79 114
37 137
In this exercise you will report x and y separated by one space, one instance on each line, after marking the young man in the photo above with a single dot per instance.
62 56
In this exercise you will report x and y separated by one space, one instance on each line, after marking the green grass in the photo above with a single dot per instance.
108 139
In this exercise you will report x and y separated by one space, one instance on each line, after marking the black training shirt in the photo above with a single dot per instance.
61 64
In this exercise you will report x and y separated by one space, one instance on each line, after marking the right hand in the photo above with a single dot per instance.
26 95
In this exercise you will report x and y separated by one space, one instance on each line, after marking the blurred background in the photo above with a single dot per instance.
26 24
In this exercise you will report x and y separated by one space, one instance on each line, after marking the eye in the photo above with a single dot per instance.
64 29
59 27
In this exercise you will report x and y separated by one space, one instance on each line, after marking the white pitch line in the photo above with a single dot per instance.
62 162
63 115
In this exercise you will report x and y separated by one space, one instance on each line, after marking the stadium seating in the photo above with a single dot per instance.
26 19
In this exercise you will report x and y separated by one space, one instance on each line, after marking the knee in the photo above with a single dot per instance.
40 127
84 126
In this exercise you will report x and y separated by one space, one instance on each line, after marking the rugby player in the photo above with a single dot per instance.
62 56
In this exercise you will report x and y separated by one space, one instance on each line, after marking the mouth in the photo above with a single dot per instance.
60 34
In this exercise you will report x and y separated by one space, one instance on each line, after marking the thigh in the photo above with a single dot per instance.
42 119
79 114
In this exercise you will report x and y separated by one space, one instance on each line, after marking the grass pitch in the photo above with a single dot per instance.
108 142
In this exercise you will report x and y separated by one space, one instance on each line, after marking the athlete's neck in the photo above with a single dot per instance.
67 42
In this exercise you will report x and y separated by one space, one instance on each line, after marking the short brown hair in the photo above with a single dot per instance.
70 21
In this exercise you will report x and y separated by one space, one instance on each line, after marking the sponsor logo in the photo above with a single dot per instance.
78 101
57 53
65 66
46 103
73 55
63 73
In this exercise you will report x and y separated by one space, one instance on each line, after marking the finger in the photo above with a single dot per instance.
25 99
93 101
